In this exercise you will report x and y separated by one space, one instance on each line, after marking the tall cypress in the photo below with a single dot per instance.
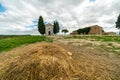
56 27
41 25
118 23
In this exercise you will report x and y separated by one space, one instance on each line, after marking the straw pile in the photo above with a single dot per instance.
46 62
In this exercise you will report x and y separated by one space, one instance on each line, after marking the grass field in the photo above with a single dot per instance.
97 38
15 41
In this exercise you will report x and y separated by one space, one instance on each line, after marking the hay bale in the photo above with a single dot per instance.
44 62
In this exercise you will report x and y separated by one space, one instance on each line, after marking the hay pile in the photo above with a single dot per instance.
44 62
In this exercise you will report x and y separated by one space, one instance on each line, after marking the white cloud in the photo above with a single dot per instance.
72 14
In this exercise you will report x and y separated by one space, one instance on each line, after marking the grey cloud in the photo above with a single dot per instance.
22 12
116 5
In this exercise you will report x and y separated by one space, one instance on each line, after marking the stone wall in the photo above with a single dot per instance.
96 30
110 33
74 33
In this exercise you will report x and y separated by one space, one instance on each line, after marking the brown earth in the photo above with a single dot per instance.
61 60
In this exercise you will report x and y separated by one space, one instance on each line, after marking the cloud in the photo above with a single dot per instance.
21 16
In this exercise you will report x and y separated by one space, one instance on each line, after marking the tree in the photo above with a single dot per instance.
56 27
83 30
118 23
65 31
41 25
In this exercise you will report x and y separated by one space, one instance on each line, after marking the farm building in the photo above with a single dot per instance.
110 33
92 30
96 30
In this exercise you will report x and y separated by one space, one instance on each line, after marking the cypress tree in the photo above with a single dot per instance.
41 25
118 23
56 27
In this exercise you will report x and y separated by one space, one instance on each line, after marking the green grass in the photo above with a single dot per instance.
13 42
111 49
97 38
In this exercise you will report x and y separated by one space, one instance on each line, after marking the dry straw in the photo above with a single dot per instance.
46 62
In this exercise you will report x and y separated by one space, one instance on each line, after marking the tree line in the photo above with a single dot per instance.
83 30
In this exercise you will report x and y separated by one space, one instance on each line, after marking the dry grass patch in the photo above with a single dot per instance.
44 62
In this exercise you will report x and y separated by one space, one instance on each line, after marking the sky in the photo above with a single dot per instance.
21 16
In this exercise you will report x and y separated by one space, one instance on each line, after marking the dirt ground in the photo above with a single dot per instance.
94 62
92 59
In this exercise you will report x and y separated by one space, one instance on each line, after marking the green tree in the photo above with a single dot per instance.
41 25
86 30
65 31
83 30
56 27
118 23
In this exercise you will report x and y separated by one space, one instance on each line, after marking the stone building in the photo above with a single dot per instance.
49 29
110 33
93 30
74 33
96 30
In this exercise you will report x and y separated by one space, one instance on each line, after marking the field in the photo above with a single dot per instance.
108 43
97 38
64 58
10 42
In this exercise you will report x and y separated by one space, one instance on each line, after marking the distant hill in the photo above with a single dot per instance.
5 36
